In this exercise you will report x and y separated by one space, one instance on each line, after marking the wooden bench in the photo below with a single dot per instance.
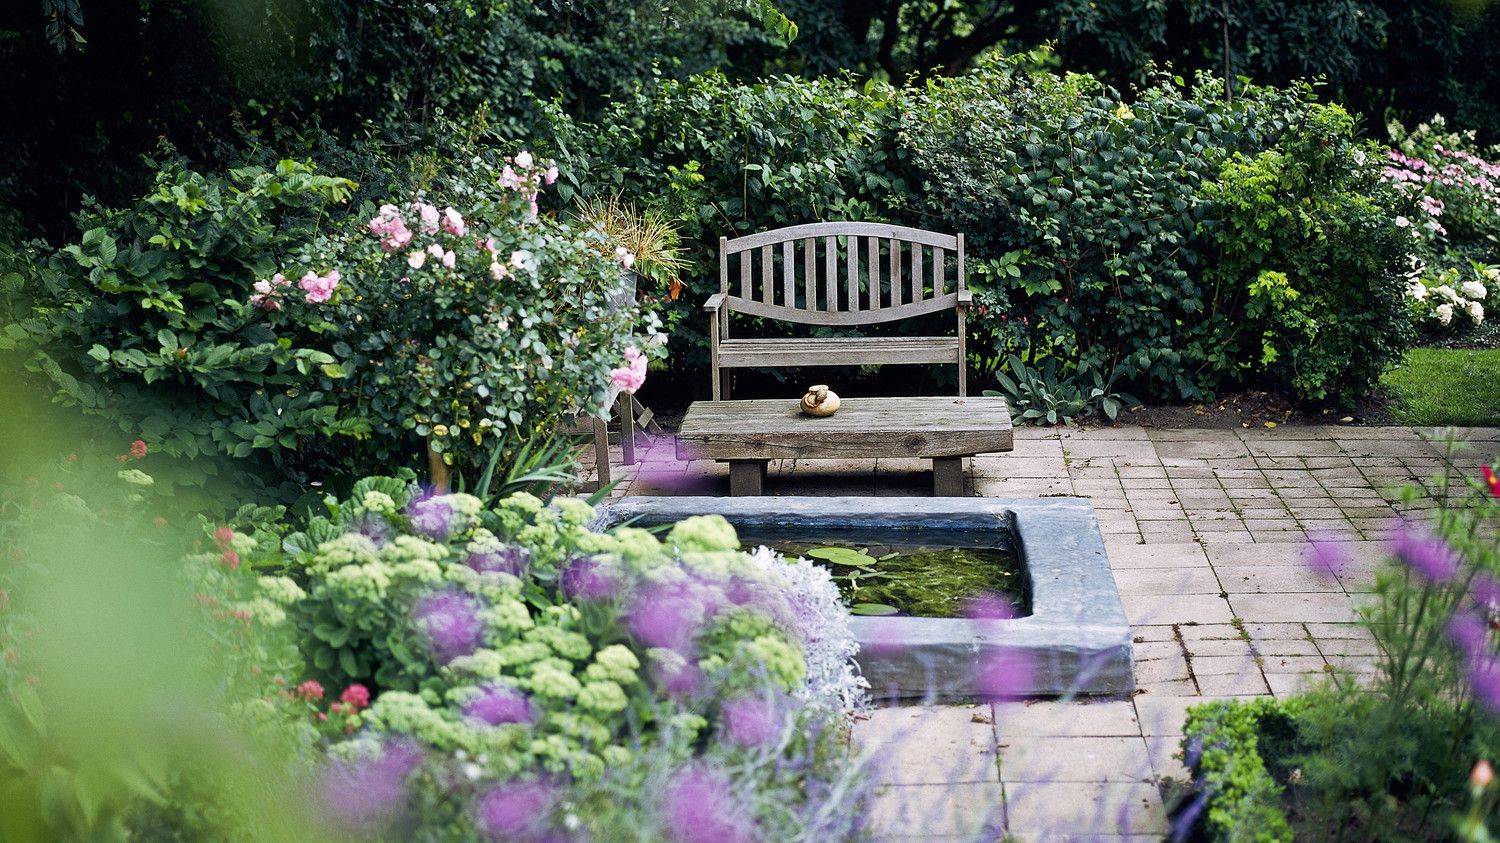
841 275
837 274
747 434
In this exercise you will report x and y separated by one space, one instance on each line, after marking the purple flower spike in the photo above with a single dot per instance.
590 580
511 559
515 810
1469 632
1327 554
1005 674
1485 590
754 721
450 620
1426 554
430 516
697 807
1484 676
497 705
365 794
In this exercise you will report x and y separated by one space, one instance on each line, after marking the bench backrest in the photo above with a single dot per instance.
841 273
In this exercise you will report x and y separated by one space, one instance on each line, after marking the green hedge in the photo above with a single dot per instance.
1189 243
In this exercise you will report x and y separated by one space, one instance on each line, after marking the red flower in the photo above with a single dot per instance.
1491 480
310 690
223 536
356 696
123 458
138 448
230 560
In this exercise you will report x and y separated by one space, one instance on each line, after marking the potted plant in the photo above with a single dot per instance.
645 243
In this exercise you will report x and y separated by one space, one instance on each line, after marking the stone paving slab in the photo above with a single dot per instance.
1205 532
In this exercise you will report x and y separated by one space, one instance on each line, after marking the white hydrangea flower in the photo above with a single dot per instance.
1444 313
1473 289
1476 312
1417 291
1443 291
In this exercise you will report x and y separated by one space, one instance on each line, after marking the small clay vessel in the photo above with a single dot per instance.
820 401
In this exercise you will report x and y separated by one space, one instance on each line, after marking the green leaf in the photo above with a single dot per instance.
872 609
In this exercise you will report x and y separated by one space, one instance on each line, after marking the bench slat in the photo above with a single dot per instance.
918 283
938 280
831 273
823 229
898 288
788 274
810 273
767 288
836 351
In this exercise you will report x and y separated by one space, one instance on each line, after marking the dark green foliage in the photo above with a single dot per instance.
1222 746
1114 235
721 159
1306 290
145 321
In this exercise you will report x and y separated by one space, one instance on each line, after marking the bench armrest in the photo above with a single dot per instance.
965 298
714 303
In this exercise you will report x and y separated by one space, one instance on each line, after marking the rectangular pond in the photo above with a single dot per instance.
1045 556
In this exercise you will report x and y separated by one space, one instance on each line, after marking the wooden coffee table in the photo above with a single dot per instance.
747 434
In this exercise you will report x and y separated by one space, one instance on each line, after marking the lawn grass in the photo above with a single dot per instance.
1443 386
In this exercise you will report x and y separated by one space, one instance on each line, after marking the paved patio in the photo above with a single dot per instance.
1204 530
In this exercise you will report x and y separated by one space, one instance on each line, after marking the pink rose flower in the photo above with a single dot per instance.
632 375
429 215
319 289
453 222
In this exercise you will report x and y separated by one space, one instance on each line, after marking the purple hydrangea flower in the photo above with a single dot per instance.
590 580
1426 554
1327 554
754 721
1469 632
430 516
367 793
515 810
1004 673
697 807
451 622
497 705
509 559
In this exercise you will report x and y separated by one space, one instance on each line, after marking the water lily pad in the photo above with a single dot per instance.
872 609
845 556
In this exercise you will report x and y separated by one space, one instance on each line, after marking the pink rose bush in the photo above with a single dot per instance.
487 313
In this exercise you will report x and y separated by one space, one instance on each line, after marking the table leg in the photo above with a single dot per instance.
947 477
746 477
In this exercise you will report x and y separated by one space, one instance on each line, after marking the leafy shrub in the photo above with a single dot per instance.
1220 745
231 317
1456 188
465 327
146 321
520 650
1306 288
1096 226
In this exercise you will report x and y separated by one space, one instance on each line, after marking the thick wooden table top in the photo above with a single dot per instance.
862 428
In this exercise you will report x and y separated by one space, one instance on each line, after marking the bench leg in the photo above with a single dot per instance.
746 477
948 477
626 412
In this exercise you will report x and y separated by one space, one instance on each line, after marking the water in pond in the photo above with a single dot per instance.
887 572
